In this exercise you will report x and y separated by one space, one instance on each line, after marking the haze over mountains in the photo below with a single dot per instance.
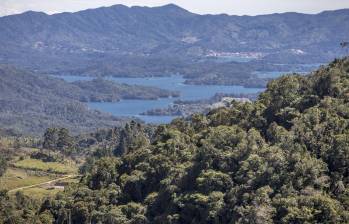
73 41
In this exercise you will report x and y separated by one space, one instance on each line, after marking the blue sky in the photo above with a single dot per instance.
233 7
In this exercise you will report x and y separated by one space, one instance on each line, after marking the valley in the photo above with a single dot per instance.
135 108
30 102
114 100
288 145
141 115
164 110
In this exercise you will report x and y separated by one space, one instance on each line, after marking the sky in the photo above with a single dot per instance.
232 7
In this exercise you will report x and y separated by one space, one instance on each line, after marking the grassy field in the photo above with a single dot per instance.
44 191
15 178
37 175
52 167
40 193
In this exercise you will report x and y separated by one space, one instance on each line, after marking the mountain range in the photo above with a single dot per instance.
70 41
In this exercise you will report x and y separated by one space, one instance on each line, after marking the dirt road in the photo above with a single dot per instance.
44 183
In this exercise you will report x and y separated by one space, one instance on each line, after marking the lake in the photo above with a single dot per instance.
132 108
304 69
233 58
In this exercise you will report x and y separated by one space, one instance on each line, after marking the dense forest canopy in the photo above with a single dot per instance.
281 159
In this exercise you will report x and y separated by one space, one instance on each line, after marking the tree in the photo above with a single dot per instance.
17 143
3 165
132 137
50 138
104 172
65 142
282 159
345 44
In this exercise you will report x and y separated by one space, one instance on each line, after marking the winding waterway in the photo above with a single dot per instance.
132 108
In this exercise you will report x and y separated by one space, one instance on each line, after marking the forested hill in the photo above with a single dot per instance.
30 103
67 41
281 159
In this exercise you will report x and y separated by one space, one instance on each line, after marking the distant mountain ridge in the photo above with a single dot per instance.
38 40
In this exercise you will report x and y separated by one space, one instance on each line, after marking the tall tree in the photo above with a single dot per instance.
65 141
3 165
50 138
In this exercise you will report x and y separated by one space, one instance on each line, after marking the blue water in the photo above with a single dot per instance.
312 66
270 75
188 92
132 108
223 59
303 69
73 78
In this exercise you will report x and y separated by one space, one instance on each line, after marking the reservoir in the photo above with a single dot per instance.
132 108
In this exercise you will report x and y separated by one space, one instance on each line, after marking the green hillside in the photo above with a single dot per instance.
281 159
30 103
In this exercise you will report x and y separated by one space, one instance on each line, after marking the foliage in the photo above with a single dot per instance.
281 159
30 103
3 166
59 139
54 167
16 178
5 156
